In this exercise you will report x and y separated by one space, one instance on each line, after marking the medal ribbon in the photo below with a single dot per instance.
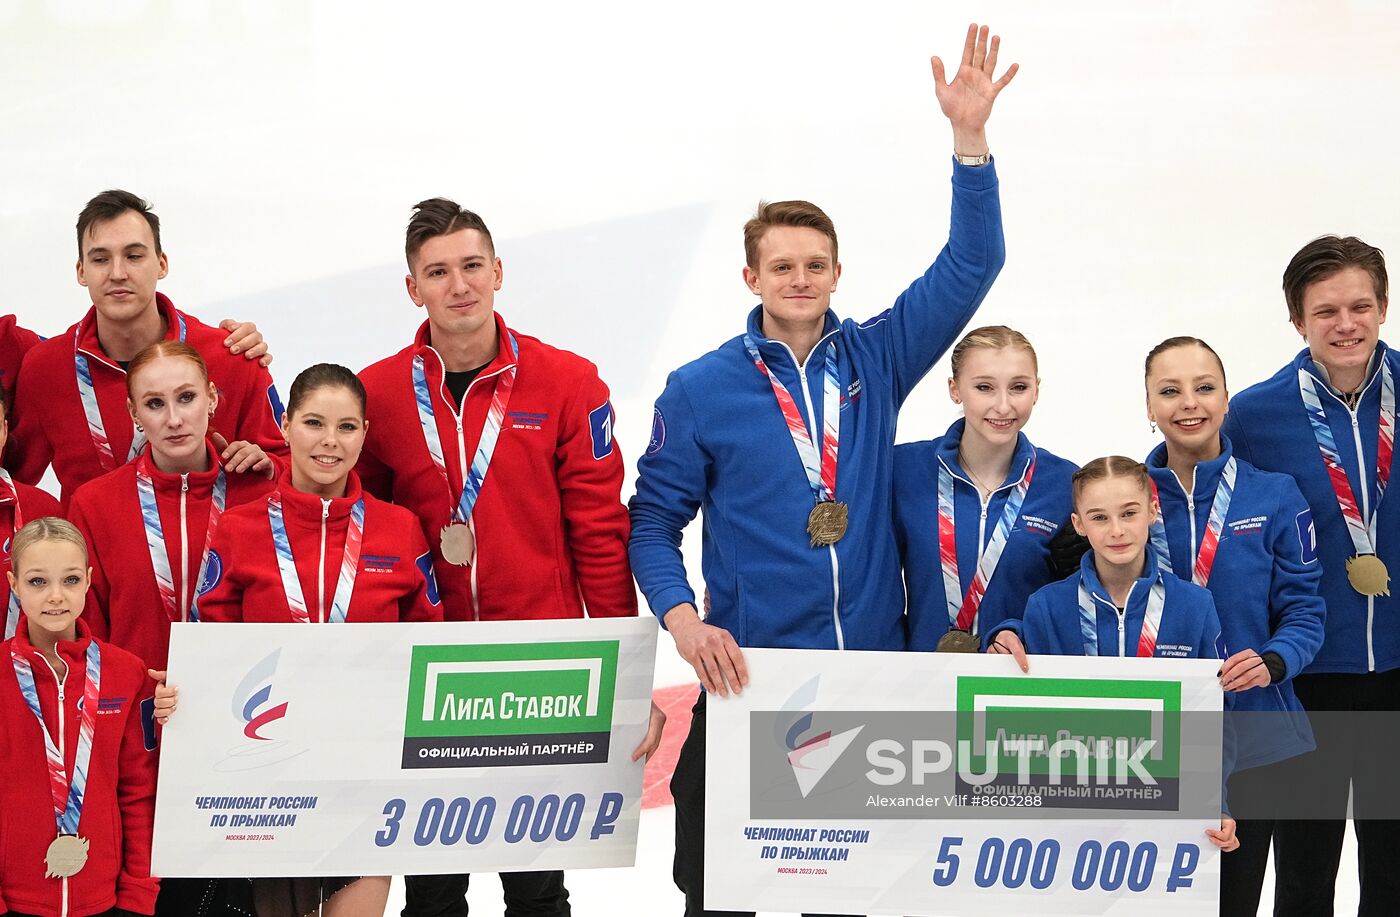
1362 530
1210 543
963 606
13 613
160 550
485 446
286 566
67 794
1151 619
88 395
821 469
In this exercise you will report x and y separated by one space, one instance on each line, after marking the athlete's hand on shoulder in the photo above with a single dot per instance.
1006 643
245 338
1244 670
655 726
166 697
967 100
242 456
1224 838
710 650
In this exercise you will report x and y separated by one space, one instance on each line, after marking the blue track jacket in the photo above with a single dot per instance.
1264 581
1025 562
1270 430
719 444
1190 628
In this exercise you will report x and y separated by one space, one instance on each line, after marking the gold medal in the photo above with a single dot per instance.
826 523
66 856
958 641
1368 575
458 544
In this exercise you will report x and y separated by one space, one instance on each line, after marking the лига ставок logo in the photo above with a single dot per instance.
510 704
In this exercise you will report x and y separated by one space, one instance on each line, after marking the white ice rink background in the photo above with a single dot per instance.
1159 164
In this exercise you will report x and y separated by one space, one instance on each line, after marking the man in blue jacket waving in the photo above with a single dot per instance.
784 437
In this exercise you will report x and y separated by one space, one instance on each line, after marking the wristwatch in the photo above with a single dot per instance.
972 160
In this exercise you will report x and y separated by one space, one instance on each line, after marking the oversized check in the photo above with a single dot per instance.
394 749
946 784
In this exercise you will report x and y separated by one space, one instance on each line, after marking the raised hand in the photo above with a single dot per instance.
967 100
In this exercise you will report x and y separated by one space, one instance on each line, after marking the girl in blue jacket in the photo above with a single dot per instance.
1120 603
980 513
1247 536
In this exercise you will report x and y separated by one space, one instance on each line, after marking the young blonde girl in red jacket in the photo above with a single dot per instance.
18 502
318 550
175 492
79 747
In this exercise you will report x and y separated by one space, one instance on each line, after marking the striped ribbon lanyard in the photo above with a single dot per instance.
67 794
1210 543
1151 619
88 394
1363 531
13 613
286 566
160 550
820 468
485 446
963 606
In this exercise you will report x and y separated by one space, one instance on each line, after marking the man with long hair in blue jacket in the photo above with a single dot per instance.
784 437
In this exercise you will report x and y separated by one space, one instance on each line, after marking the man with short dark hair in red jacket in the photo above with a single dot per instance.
70 398
503 447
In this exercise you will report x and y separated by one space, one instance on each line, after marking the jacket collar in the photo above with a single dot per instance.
1090 578
1207 473
308 509
951 441
171 482
88 341
768 347
422 346
72 651
1319 372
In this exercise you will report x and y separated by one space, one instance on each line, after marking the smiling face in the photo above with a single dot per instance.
1342 318
1186 398
795 276
456 277
173 402
325 433
1114 513
50 577
997 388
120 266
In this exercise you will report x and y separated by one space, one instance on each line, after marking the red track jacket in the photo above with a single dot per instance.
124 603
551 530
395 579
119 806
14 344
49 423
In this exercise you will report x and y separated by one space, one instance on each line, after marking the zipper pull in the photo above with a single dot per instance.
1122 614
184 483
325 509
